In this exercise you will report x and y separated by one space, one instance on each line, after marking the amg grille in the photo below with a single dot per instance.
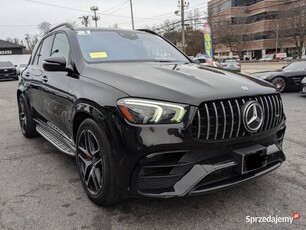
219 120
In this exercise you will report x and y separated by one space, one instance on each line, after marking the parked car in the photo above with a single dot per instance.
303 91
147 121
231 64
274 57
22 68
289 78
202 61
8 71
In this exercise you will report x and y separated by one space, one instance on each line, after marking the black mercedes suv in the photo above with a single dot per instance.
142 119
8 71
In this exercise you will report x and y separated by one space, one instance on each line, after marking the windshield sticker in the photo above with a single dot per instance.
83 32
98 55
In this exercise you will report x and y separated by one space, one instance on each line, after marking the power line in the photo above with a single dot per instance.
165 15
74 9
228 14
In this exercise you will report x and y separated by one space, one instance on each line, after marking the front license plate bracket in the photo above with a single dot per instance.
251 158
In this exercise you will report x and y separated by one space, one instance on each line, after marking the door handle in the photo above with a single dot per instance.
27 74
44 79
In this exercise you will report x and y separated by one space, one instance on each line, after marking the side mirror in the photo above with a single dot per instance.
54 64
284 67
15 65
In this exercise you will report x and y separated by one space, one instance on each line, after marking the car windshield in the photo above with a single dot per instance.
6 64
295 66
112 45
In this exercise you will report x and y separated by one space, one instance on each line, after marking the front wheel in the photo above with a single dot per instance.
95 164
279 83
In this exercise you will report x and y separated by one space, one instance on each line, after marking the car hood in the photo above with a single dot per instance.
10 67
268 73
183 83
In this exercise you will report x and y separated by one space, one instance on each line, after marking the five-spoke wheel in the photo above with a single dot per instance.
279 83
90 161
95 163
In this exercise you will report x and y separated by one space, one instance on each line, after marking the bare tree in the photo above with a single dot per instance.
294 24
44 27
194 18
14 40
233 35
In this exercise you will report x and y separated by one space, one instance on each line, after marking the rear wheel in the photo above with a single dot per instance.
279 83
95 164
27 125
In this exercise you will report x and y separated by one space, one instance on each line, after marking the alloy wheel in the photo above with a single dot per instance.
279 83
90 161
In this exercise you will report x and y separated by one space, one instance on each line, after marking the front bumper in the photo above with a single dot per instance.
176 173
8 76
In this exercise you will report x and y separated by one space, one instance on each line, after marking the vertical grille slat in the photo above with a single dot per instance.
222 119
233 120
268 114
243 133
217 120
272 112
199 124
239 117
264 112
208 122
278 109
275 112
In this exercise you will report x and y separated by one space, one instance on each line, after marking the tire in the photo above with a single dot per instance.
27 125
280 83
95 164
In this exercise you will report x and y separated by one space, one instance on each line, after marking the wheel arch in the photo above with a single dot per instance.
87 109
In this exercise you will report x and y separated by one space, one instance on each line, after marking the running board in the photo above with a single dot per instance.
60 145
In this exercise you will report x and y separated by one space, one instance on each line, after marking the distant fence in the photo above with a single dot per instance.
16 59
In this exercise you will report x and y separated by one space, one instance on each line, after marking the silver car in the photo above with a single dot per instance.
231 64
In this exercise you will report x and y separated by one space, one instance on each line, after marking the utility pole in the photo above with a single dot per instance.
276 45
84 20
132 14
182 4
95 17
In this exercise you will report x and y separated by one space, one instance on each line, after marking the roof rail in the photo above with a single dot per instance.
68 25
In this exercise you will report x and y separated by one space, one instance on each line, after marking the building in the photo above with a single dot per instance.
253 28
8 48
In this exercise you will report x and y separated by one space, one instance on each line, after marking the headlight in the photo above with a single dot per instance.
140 111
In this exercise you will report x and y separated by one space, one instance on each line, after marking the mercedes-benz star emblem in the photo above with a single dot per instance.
253 116
244 88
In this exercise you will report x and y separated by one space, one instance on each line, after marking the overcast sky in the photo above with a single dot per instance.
19 17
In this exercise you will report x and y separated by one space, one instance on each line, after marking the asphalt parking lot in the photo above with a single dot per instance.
40 187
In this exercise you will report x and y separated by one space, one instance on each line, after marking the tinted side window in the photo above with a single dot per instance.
61 47
45 49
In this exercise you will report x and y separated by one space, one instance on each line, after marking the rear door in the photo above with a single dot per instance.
33 77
